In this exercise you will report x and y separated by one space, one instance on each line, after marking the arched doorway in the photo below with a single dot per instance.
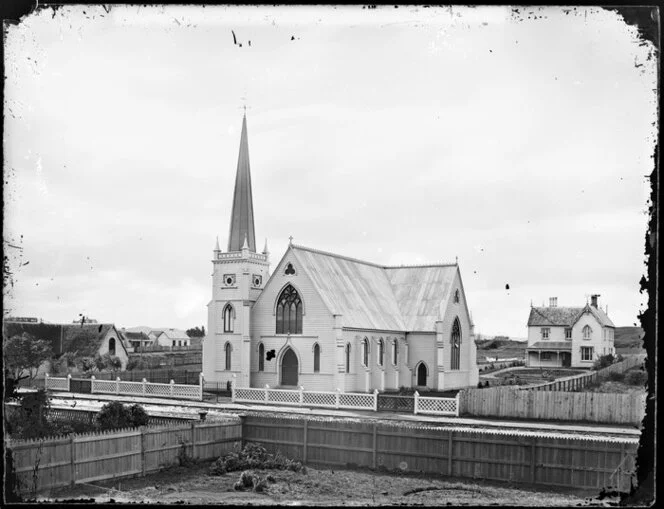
289 368
422 375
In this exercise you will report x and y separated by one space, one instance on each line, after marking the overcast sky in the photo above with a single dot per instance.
518 142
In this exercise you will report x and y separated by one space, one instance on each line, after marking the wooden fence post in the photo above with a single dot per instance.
267 388
144 386
457 403
72 446
374 444
450 452
417 397
171 388
117 385
193 440
143 451
304 445
337 398
375 402
69 382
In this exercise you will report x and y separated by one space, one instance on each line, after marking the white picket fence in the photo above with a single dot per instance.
339 400
144 388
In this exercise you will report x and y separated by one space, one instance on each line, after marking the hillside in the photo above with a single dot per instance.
628 338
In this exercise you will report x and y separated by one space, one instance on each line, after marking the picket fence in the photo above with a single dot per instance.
61 461
531 458
338 400
119 387
576 382
512 402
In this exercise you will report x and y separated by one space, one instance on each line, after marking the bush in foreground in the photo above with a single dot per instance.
115 415
254 456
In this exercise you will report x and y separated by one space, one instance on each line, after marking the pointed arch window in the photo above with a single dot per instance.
227 352
347 357
365 352
229 314
395 352
455 342
456 296
261 357
587 332
316 358
289 312
111 346
381 351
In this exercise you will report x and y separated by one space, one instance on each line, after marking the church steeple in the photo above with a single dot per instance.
242 216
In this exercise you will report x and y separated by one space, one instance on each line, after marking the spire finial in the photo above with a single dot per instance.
265 251
456 258
290 240
216 247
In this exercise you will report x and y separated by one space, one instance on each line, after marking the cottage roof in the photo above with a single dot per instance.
371 296
175 334
135 336
565 316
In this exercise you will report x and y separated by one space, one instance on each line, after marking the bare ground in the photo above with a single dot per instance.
193 485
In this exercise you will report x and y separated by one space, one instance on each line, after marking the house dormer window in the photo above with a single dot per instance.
568 333
545 332
587 332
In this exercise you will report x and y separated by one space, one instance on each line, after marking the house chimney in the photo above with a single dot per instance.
553 302
593 300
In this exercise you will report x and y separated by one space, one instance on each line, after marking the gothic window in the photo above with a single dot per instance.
381 351
395 352
456 296
289 312
421 374
455 342
347 357
228 318
227 351
365 352
261 357
587 332
316 358
111 346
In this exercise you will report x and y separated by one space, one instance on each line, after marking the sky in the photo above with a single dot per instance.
518 142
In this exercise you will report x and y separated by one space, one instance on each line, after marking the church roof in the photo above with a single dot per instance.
242 215
371 296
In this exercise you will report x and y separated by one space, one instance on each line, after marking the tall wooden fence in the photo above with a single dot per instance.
62 461
546 459
511 402
576 382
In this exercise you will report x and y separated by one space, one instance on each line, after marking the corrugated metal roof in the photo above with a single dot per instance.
371 296
551 345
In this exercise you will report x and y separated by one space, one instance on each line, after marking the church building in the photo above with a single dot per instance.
324 321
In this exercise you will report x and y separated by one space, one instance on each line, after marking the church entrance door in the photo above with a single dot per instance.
422 375
289 368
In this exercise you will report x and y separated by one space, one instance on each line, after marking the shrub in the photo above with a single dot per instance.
254 456
604 361
115 415
616 377
637 377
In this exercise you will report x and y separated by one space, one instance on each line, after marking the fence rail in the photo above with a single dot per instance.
521 457
119 387
63 461
346 400
576 382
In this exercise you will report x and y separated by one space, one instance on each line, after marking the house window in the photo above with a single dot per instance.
381 351
347 357
365 352
568 333
456 296
545 333
316 358
180 343
173 343
261 357
228 318
111 346
395 353
227 351
289 312
455 342
587 332
586 353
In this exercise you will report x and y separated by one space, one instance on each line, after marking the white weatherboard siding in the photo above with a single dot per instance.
595 341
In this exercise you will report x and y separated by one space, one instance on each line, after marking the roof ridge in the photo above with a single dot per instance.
350 258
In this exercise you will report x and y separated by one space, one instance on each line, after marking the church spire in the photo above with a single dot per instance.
242 216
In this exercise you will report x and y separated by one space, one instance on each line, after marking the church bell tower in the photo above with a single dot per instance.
238 277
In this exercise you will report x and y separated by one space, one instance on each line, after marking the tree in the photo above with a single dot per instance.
115 415
24 354
66 361
196 332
